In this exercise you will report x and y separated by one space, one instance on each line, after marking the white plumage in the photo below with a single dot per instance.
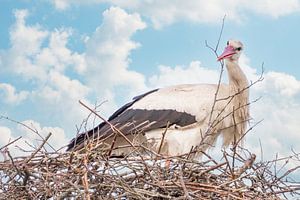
190 111
187 98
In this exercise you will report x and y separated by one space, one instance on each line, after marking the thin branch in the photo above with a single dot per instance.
107 122
10 143
29 128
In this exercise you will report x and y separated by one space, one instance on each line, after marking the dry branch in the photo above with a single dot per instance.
93 175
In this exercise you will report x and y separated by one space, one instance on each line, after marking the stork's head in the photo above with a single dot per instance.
232 51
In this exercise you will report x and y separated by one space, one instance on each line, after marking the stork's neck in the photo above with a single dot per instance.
238 88
237 79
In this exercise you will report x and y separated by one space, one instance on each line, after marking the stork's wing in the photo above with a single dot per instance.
181 105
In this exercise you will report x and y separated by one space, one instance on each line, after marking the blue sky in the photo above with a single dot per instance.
56 52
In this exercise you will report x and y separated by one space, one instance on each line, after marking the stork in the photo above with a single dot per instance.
194 114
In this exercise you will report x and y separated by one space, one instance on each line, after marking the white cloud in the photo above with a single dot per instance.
8 94
57 139
34 51
167 12
251 73
285 85
279 130
42 56
193 73
6 136
196 73
31 56
199 11
26 42
274 8
57 56
108 51
279 108
58 100
66 86
60 4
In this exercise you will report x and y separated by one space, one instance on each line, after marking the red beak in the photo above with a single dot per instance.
228 51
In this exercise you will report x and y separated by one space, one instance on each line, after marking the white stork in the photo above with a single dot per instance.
190 111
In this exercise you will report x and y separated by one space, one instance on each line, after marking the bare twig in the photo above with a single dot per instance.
107 122
10 143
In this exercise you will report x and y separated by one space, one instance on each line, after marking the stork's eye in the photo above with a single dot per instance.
238 48
227 42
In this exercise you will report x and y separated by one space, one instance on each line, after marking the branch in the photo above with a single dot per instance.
107 122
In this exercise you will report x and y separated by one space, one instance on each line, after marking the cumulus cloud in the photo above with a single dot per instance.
6 135
285 85
103 67
26 42
108 56
279 109
8 94
26 39
60 4
167 12
58 56
279 130
193 73
31 138
274 8
30 58
42 57
58 138
58 99
66 87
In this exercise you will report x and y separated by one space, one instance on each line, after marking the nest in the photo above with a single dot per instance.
94 174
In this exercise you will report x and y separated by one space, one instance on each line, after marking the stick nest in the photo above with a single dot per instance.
93 174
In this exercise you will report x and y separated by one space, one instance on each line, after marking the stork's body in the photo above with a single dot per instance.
190 111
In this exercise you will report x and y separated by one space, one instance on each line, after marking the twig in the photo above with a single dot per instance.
10 143
163 137
107 122
39 148
29 128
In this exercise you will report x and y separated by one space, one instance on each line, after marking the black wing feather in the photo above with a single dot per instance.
131 121
83 136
